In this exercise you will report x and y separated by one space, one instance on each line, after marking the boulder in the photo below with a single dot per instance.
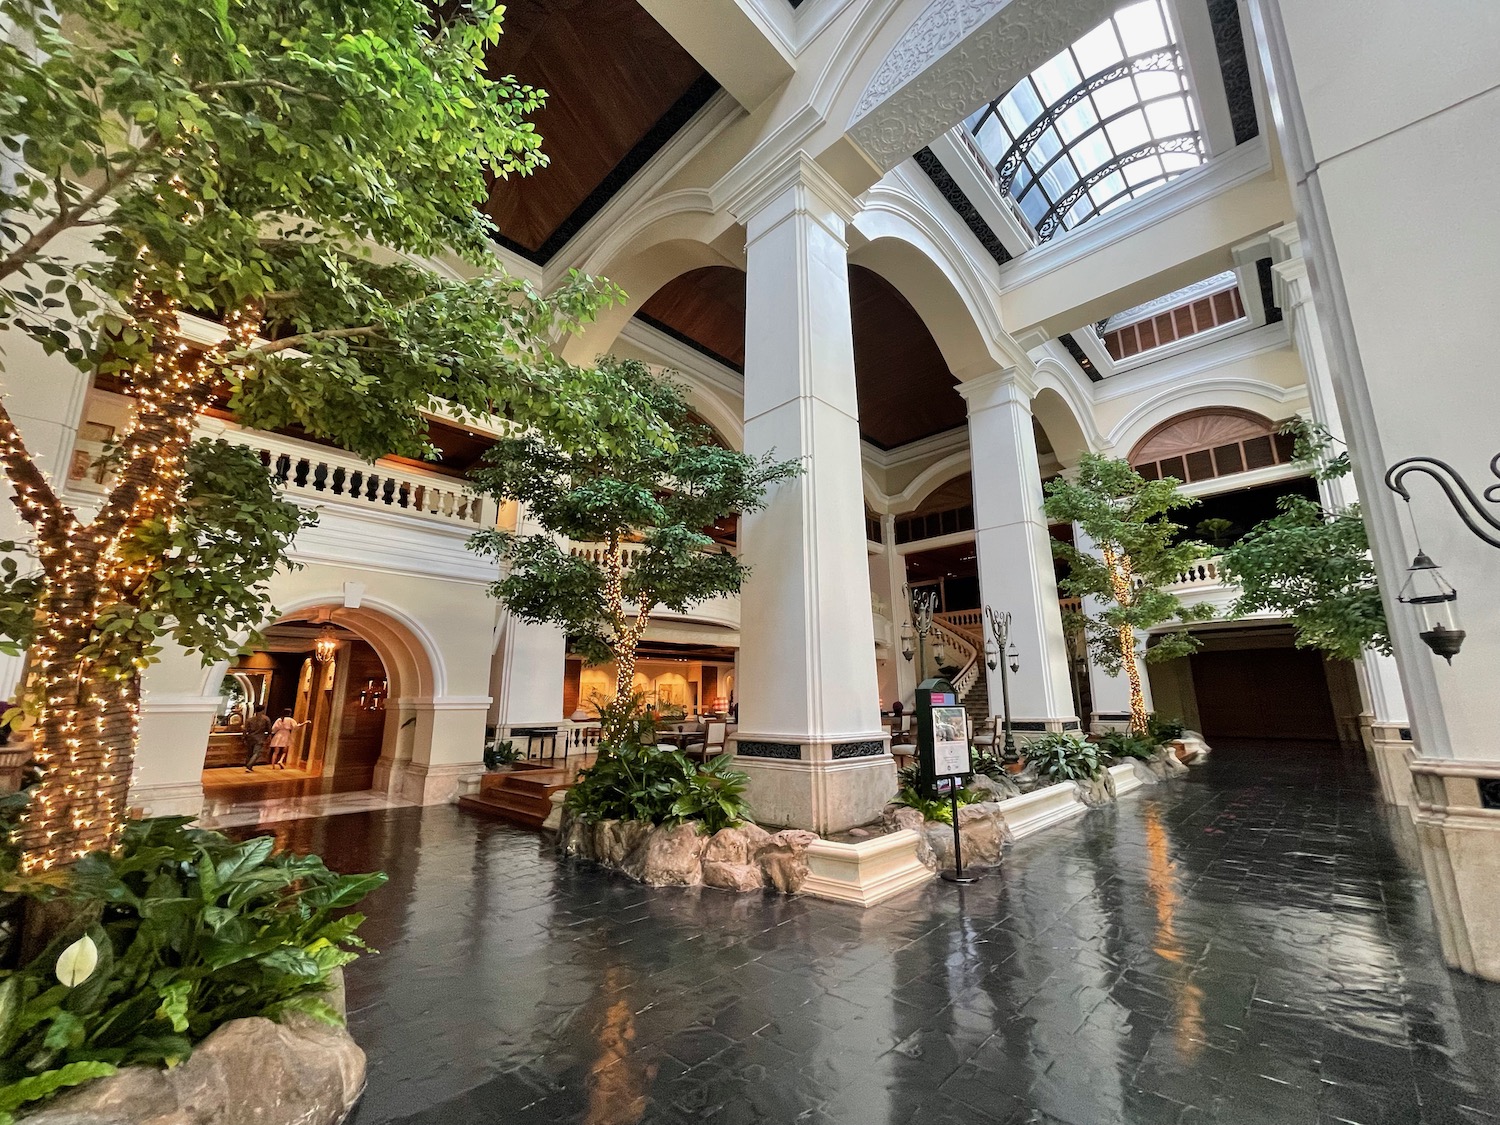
248 1072
733 876
668 857
1097 791
738 845
901 816
784 859
999 788
576 838
981 829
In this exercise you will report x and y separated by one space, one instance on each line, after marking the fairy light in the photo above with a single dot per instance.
89 715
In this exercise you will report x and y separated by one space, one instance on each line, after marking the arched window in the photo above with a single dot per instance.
1102 123
1215 442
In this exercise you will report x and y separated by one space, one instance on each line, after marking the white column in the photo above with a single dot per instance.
1016 572
1409 356
527 675
809 734
1110 694
1384 725
895 562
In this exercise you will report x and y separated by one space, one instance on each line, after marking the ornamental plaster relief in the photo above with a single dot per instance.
956 55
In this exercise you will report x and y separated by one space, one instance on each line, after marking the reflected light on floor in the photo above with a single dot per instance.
1161 882
617 1080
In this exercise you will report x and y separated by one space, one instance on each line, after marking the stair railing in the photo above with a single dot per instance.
966 651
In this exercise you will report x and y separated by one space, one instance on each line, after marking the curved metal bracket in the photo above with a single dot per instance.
1456 489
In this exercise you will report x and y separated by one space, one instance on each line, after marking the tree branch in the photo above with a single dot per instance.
67 217
260 84
27 478
301 338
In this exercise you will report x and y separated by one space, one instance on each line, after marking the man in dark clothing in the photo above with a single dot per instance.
257 730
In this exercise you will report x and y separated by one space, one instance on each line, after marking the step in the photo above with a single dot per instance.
524 814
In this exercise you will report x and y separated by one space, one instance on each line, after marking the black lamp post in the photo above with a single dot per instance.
921 606
1000 651
1425 586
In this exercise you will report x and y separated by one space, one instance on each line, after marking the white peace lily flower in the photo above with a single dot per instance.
77 963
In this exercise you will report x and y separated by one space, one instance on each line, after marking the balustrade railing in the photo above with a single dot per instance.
326 475
969 622
1203 573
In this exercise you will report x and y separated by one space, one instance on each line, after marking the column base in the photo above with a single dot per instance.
1391 752
820 784
184 799
1026 728
1102 722
1456 808
430 785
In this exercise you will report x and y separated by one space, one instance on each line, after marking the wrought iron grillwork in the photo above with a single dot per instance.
1104 121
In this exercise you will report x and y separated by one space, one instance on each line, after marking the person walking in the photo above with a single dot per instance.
281 738
257 730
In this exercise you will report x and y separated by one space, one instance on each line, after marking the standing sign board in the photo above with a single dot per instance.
943 755
942 735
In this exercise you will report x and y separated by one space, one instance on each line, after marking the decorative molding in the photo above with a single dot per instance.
788 751
957 54
1234 68
962 206
797 171
868 748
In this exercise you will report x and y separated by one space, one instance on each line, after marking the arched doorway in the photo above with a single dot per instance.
352 680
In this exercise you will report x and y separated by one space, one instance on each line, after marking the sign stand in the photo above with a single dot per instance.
943 755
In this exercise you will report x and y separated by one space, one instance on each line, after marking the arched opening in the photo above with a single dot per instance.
1212 442
339 687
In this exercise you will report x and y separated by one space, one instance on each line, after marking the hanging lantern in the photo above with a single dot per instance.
326 645
991 656
1014 657
906 645
1431 593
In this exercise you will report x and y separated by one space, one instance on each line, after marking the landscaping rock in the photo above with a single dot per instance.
733 876
982 830
1098 791
615 840
669 857
248 1072
739 845
902 816
1001 788
577 838
784 859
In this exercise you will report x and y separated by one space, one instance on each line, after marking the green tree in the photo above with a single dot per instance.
281 168
642 510
1311 566
1140 553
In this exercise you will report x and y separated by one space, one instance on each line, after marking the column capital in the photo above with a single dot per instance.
796 184
1007 385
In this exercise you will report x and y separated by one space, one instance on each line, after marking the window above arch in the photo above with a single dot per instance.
1103 122
1213 442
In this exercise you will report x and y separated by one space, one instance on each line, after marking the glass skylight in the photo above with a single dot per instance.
1096 126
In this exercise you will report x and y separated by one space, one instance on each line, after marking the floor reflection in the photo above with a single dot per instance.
1244 947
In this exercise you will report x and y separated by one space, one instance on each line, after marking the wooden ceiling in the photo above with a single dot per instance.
906 392
618 86
704 308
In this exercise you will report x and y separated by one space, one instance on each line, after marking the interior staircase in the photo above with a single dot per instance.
522 796
976 702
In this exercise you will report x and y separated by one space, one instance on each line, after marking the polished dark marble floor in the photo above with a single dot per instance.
1247 946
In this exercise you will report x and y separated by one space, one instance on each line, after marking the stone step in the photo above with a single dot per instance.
522 811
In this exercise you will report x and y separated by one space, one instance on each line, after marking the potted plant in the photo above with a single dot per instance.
501 752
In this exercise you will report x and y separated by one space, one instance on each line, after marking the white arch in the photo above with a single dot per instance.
656 242
403 643
930 479
1053 375
953 293
1246 394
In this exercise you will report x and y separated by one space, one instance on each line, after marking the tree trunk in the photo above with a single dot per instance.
1138 716
85 732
